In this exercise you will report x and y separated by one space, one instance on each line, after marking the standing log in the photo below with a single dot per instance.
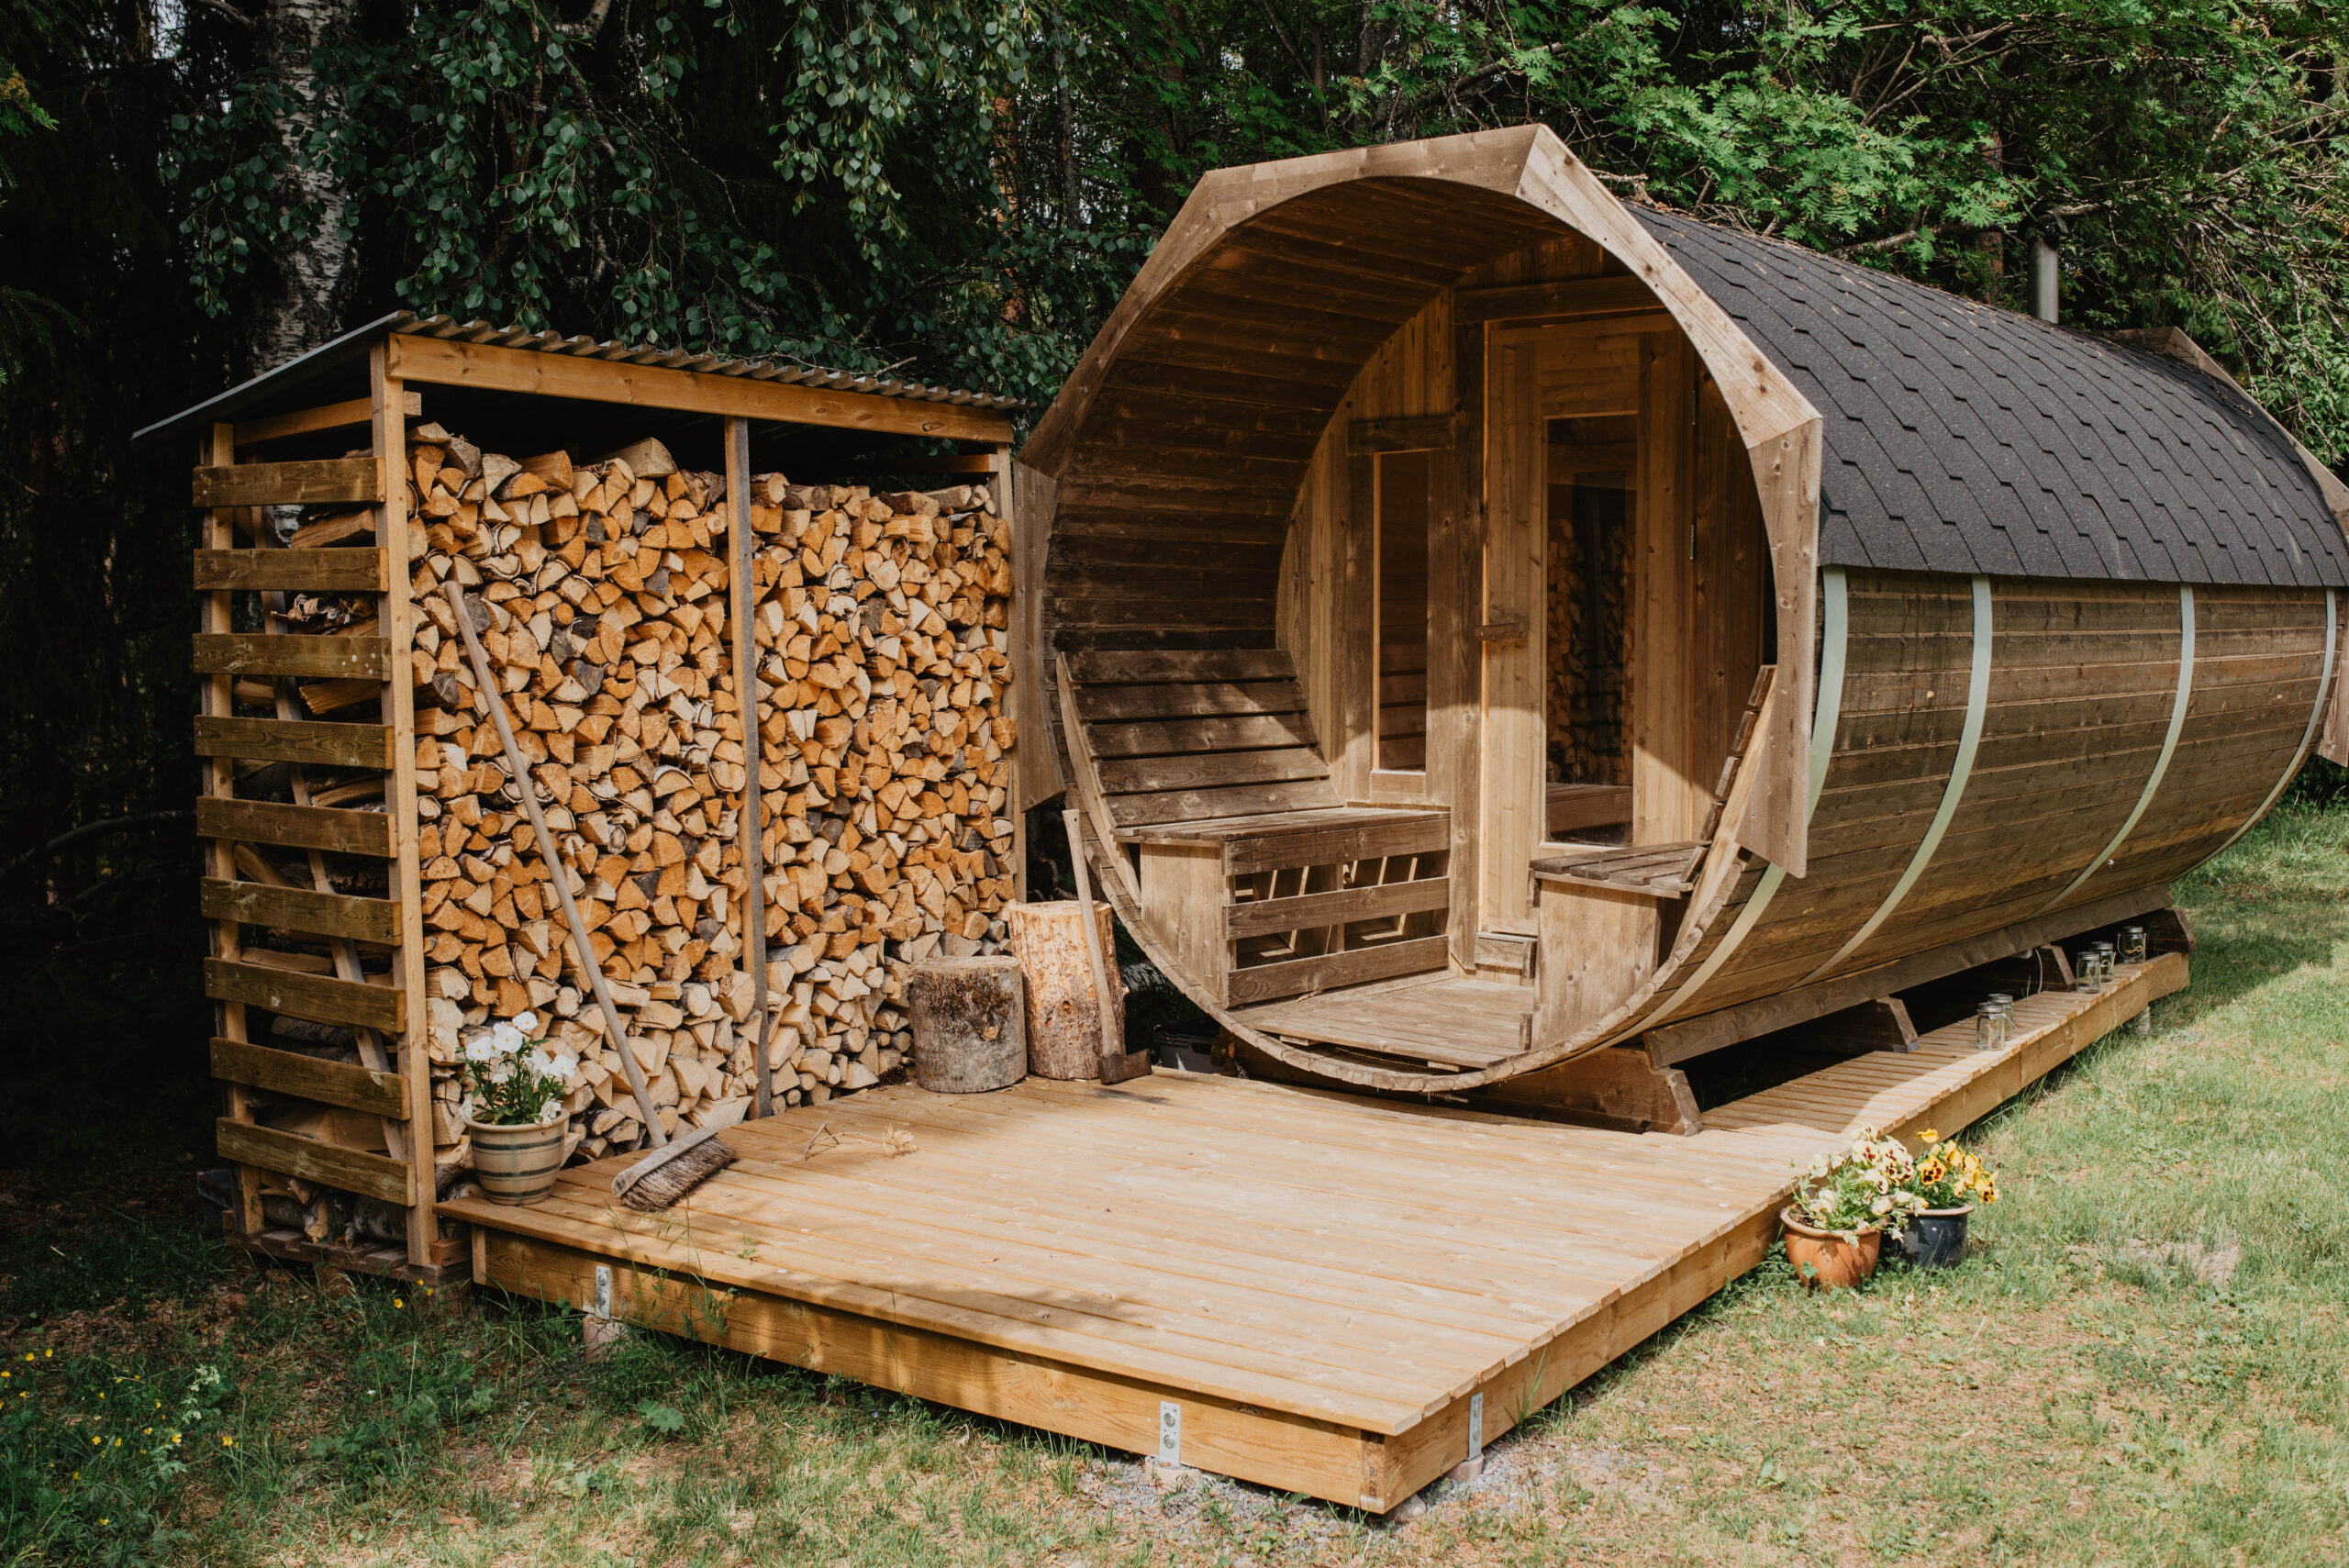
970 1030
1065 1023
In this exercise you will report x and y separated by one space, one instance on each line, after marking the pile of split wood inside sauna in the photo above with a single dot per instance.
602 588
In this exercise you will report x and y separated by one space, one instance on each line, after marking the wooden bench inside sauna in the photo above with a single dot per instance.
1489 623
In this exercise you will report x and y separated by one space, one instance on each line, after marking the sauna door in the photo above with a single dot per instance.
1564 457
1626 586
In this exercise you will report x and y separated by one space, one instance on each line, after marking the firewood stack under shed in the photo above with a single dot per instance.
881 668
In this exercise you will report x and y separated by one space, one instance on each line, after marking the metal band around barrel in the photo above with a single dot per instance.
1969 741
2315 719
2179 706
1836 619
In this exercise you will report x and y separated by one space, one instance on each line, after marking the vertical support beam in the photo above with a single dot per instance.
220 782
388 400
1668 792
1517 524
1353 750
1455 656
1023 676
750 822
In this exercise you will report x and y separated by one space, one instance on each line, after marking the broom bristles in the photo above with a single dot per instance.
673 1179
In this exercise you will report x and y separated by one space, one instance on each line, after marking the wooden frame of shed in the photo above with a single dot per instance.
244 442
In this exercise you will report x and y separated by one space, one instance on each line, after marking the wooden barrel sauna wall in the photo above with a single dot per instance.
2050 619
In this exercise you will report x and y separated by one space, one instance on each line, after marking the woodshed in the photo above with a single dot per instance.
375 897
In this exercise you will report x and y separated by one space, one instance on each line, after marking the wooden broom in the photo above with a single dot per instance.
676 1166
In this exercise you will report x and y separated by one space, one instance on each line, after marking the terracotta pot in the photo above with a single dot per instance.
1825 1258
1936 1238
517 1164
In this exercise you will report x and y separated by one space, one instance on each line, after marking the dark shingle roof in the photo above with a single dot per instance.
1964 437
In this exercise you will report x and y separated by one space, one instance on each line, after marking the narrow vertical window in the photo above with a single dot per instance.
1403 611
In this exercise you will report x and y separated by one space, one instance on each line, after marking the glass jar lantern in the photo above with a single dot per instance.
2084 971
1986 1027
2132 944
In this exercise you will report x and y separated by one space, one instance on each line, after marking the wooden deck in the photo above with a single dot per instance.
1320 1293
1442 1021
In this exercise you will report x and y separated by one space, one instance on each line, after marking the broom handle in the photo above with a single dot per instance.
750 829
559 874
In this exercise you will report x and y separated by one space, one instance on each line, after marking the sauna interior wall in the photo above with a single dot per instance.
1701 619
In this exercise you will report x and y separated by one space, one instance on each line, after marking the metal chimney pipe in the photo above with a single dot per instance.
2044 272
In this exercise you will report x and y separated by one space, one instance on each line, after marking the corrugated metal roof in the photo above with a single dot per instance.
352 345
686 360
1963 438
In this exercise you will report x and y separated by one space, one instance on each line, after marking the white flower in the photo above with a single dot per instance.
551 1110
502 1072
566 1064
527 1022
1881 1206
509 1039
542 1064
480 1049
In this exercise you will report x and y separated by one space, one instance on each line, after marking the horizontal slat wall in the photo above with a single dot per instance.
314 658
294 741
312 483
1185 735
1207 421
330 1082
352 1170
2083 679
283 867
300 826
2258 658
298 908
296 571
318 998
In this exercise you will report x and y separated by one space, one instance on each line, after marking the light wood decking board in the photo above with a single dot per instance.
1318 1282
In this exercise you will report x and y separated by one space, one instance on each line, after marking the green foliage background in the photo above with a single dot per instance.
959 188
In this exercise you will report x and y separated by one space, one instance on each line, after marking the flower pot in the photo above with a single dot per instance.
1828 1259
517 1164
1936 1238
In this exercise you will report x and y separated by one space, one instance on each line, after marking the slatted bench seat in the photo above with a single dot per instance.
1662 870
1247 860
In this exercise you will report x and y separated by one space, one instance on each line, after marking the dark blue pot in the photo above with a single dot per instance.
1936 1239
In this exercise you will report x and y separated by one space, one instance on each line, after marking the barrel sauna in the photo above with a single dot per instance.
1482 621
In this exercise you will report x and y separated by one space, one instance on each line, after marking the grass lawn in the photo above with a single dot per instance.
2146 1361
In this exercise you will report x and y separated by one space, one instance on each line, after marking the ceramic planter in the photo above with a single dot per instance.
1936 1238
517 1164
1828 1259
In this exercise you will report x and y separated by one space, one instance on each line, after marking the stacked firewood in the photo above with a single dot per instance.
602 600
1588 632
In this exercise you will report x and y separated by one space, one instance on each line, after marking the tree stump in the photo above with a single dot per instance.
970 1029
1063 1019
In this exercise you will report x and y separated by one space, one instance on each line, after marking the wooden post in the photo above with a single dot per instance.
1668 795
1455 655
748 824
221 783
388 418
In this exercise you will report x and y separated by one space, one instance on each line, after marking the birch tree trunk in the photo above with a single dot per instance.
308 273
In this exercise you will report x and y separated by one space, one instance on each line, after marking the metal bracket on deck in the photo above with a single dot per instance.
1475 1426
1169 1433
603 1290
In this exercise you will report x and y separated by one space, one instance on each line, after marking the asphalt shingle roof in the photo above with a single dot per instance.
1963 438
